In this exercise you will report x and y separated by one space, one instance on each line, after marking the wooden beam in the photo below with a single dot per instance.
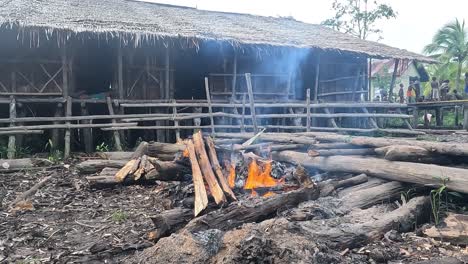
248 79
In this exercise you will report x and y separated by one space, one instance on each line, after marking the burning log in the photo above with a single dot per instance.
217 168
237 214
205 167
201 198
423 174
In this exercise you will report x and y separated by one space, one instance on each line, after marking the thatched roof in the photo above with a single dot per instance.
141 21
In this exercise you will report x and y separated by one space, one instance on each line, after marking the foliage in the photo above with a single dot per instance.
55 155
450 46
359 17
436 200
103 147
119 216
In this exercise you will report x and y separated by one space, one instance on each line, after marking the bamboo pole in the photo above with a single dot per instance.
210 109
110 108
251 101
308 109
120 72
176 122
243 114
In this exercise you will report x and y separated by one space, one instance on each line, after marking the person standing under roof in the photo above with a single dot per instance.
411 95
417 87
435 89
401 94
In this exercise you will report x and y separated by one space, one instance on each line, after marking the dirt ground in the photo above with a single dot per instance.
67 222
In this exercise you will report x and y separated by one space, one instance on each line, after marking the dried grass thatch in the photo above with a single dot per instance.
136 22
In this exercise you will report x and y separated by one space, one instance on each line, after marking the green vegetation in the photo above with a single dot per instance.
119 216
103 147
436 200
55 155
359 17
450 46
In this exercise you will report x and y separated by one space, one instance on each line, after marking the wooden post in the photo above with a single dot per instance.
56 132
120 72
288 87
176 122
317 76
210 109
110 108
438 115
248 79
87 132
456 116
392 83
243 114
308 109
370 93
11 151
13 80
465 116
234 76
68 112
65 68
415 117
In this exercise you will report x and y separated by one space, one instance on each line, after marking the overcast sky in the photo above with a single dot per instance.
416 23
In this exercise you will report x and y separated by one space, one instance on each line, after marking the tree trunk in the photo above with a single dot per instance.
424 174
459 71
169 221
93 166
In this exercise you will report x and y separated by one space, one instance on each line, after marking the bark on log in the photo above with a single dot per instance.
170 220
327 187
454 229
217 168
367 197
424 174
371 182
237 214
201 198
412 154
347 152
402 219
205 167
156 149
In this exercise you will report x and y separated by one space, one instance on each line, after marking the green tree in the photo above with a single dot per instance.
359 17
450 44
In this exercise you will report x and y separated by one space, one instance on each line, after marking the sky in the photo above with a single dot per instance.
416 23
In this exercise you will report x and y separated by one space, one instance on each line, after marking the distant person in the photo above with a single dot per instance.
435 94
444 89
411 95
466 83
417 87
401 94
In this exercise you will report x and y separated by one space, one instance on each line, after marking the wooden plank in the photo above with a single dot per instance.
251 101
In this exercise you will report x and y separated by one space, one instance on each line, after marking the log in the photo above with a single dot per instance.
280 138
335 152
218 170
347 235
413 154
132 166
366 198
116 155
333 146
205 167
93 166
236 214
32 190
158 148
443 148
164 171
169 221
201 198
327 187
371 182
424 174
454 229
23 163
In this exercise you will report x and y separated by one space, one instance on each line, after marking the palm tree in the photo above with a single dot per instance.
451 41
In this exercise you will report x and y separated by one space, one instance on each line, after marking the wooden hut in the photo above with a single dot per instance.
84 67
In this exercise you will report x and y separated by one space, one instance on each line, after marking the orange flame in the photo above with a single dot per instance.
185 153
269 194
232 176
257 179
